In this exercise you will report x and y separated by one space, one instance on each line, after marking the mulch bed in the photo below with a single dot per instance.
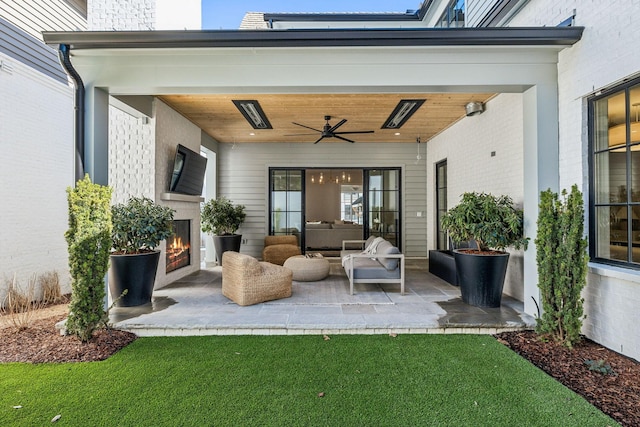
617 394
42 343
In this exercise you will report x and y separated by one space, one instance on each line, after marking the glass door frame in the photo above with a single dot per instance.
270 211
365 184
366 199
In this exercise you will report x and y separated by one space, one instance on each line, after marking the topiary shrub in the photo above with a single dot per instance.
89 242
562 265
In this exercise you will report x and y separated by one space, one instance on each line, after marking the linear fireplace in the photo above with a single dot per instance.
179 245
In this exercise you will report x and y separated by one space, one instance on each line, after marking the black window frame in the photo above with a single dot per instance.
622 88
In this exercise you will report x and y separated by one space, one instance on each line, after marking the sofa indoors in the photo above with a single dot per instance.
326 235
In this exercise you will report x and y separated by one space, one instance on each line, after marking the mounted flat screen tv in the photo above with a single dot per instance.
188 172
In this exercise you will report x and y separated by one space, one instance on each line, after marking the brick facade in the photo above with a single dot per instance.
36 141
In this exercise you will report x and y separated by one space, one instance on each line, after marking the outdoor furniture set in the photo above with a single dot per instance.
247 281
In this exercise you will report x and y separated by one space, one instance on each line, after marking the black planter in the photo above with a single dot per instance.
137 274
481 277
226 243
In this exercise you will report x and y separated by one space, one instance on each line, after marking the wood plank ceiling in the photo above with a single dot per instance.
218 116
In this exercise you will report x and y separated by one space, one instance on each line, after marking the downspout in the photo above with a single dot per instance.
63 54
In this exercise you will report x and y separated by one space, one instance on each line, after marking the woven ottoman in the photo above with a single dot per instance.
307 269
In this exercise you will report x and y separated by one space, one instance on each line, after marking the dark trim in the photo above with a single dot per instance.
625 87
63 52
499 11
542 36
409 15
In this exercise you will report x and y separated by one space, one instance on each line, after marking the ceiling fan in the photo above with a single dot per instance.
329 131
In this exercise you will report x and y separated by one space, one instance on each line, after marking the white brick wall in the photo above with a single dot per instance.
131 156
121 15
467 147
37 149
603 57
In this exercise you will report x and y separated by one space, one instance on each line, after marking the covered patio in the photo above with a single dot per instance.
195 305
202 67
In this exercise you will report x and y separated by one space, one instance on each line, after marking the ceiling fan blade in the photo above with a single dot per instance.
298 124
298 134
340 123
355 131
344 139
319 139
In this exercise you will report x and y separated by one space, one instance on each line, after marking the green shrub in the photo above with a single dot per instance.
562 265
221 217
492 221
140 225
89 242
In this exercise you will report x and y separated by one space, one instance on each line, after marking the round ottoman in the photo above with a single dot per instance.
307 269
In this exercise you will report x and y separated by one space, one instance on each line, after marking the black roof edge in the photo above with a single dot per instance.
341 17
504 36
409 15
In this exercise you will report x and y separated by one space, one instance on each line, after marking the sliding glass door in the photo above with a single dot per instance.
382 203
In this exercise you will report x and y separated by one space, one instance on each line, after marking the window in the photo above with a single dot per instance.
614 138
453 16
441 204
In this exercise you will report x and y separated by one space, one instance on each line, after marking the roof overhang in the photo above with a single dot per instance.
544 36
359 74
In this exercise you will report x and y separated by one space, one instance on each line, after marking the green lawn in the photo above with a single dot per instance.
375 380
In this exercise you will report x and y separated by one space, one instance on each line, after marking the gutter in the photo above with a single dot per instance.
63 54
508 36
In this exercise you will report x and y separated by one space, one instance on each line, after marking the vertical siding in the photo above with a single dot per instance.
243 178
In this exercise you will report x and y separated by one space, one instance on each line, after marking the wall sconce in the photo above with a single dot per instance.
474 108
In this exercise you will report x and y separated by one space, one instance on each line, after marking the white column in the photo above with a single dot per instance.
541 172
96 144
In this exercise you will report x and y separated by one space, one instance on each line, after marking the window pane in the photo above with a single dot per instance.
279 200
634 102
294 221
610 122
295 201
610 177
611 233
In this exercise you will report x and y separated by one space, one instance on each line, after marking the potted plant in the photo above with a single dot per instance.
138 228
222 218
494 223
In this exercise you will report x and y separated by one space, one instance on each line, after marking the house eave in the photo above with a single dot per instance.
529 36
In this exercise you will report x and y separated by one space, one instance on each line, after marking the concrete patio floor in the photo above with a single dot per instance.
195 305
